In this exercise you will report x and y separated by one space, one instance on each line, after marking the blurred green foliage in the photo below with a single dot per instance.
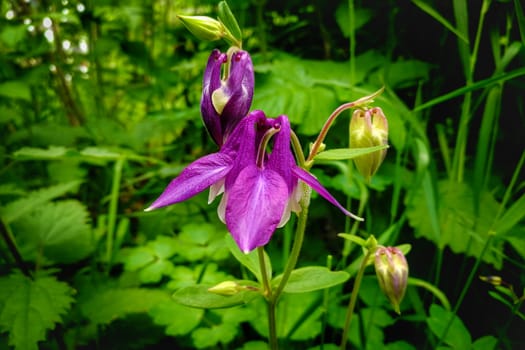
99 109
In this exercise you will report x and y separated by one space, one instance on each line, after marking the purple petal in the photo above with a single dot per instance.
316 185
281 158
210 83
239 89
194 179
256 203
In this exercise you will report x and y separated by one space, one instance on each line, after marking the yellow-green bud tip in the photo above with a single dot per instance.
203 27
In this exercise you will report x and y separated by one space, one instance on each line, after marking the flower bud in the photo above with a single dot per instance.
203 27
392 274
369 128
226 99
226 288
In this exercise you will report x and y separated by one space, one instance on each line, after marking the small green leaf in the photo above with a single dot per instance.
33 153
228 19
250 260
311 278
177 318
199 297
458 336
31 307
353 238
347 153
487 342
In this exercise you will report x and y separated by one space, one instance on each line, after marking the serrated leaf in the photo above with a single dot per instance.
459 226
199 297
105 306
178 319
209 337
458 336
347 153
151 260
312 278
19 207
29 308
197 242
250 260
60 230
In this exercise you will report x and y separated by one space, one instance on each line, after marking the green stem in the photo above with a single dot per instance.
112 211
412 281
297 244
272 329
11 245
353 300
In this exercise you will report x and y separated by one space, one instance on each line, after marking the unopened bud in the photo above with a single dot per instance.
392 274
203 27
369 128
227 288
494 280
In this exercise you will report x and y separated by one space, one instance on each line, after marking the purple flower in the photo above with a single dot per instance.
260 189
227 99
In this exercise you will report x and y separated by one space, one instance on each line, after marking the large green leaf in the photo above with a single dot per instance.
312 278
457 336
35 199
31 307
459 226
59 229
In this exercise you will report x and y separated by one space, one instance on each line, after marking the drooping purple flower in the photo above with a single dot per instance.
259 188
226 96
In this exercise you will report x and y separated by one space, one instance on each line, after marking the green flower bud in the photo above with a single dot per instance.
392 274
203 27
227 288
369 128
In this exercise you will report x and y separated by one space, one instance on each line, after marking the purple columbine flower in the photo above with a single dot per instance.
226 96
260 189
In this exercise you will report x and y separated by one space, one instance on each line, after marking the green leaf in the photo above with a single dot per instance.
152 260
35 199
487 342
33 153
105 305
199 297
31 307
16 89
362 16
197 242
347 153
458 336
177 318
312 278
256 345
59 230
228 19
512 216
459 227
205 337
250 260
